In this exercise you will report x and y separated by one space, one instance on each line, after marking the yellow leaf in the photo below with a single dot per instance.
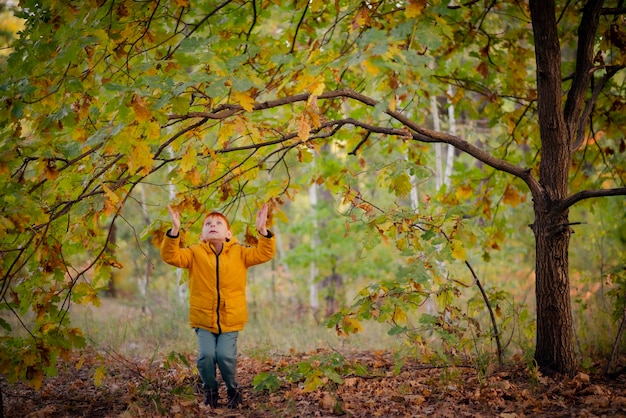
415 8
80 134
317 87
99 375
189 159
154 129
193 176
393 103
80 363
226 130
244 99
512 196
370 68
317 5
401 185
304 129
111 196
140 158
399 316
458 251
351 325
464 192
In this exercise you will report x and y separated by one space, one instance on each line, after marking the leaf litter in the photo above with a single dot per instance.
140 387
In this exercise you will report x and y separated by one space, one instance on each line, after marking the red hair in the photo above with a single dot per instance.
217 215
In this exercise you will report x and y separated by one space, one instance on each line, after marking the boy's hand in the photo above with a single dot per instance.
261 220
175 217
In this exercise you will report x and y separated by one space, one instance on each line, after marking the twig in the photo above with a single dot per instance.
618 337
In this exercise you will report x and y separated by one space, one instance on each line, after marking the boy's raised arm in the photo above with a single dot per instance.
261 220
175 217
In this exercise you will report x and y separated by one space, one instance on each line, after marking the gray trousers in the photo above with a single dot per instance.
220 349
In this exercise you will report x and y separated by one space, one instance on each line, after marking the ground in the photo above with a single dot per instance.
376 388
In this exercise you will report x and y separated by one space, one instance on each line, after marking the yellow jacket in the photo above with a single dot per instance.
217 283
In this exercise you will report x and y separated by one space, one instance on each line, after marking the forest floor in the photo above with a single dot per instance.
169 388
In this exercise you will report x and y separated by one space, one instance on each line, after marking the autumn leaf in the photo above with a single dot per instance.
458 250
111 196
304 129
371 68
193 176
223 135
464 191
140 158
415 8
361 19
51 171
141 110
244 99
399 316
512 196
317 87
99 375
401 185
351 325
317 5
189 160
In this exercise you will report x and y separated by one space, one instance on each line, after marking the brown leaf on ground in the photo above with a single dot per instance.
141 388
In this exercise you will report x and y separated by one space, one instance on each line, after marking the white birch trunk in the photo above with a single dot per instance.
182 287
452 131
313 289
142 281
434 108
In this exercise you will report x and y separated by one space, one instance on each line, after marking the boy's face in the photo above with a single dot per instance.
215 229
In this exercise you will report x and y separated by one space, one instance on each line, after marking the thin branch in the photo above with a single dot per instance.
610 72
295 35
196 26
494 324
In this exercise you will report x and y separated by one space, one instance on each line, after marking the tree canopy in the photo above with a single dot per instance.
237 102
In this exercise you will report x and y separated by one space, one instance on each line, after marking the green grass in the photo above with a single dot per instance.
159 324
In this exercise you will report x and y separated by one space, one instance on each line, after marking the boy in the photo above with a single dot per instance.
217 293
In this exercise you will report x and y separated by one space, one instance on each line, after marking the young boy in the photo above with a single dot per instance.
217 293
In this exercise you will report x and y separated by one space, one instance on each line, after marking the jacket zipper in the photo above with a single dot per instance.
217 288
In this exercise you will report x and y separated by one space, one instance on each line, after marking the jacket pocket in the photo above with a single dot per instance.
235 313
201 312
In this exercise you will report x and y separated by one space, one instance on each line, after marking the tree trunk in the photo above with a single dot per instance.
555 336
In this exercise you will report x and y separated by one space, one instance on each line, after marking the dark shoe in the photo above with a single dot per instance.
210 398
234 398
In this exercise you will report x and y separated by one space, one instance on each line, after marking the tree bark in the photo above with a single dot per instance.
555 336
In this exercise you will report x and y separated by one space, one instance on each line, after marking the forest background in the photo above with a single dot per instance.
387 138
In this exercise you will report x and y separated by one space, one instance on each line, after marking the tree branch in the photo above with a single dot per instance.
413 130
614 11
588 194
584 65
580 135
